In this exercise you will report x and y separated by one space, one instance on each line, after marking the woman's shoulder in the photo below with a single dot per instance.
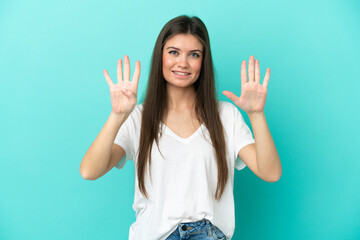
224 104
139 106
226 107
136 112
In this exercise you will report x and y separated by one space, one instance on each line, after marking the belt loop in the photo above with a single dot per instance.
208 228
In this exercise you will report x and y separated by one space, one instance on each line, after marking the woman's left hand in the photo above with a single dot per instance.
253 94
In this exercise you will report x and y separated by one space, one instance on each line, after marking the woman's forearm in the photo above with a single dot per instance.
267 157
97 156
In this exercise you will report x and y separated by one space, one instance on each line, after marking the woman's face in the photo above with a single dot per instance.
182 58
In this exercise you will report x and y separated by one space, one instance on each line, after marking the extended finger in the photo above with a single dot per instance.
230 95
251 69
243 73
119 71
126 68
257 71
108 79
135 79
267 77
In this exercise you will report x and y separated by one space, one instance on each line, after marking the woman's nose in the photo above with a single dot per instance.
182 61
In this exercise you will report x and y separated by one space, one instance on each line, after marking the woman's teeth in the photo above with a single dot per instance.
181 73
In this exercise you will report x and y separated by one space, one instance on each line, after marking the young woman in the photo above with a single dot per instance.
184 143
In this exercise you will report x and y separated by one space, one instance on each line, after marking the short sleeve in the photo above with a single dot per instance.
125 139
242 136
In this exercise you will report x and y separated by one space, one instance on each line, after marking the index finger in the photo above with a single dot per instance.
135 79
267 76
108 79
243 73
119 71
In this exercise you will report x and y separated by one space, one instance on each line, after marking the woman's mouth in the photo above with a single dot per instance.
181 74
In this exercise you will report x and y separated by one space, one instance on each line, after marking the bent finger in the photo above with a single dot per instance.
125 92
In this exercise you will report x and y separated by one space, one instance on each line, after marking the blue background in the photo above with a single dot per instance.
54 100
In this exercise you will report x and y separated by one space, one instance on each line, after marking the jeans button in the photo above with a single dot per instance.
184 228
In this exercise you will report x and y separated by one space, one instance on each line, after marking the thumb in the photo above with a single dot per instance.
126 92
230 95
129 94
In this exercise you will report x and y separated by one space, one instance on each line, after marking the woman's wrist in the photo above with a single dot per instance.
121 117
256 115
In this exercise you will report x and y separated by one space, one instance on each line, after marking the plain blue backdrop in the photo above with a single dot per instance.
54 100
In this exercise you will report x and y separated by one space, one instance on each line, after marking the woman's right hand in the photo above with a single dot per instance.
124 93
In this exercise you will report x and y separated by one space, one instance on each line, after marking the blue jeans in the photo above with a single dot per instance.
200 230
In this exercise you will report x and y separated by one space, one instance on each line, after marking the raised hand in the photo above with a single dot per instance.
124 93
253 94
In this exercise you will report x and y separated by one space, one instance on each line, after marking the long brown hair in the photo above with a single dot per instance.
206 104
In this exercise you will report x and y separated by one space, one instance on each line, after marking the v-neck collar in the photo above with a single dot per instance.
181 139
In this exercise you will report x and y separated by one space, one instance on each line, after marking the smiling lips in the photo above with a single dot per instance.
179 73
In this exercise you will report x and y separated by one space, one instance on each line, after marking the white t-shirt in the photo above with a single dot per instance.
184 183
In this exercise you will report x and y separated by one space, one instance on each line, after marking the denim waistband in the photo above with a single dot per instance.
202 229
190 227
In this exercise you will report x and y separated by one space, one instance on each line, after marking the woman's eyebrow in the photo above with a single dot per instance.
179 49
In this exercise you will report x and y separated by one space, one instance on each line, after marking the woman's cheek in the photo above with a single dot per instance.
198 66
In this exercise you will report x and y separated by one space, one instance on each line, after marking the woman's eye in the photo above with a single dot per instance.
195 55
173 52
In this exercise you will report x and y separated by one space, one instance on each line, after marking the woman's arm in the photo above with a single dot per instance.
123 97
266 156
262 157
96 159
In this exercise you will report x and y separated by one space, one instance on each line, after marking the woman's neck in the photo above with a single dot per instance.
180 99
